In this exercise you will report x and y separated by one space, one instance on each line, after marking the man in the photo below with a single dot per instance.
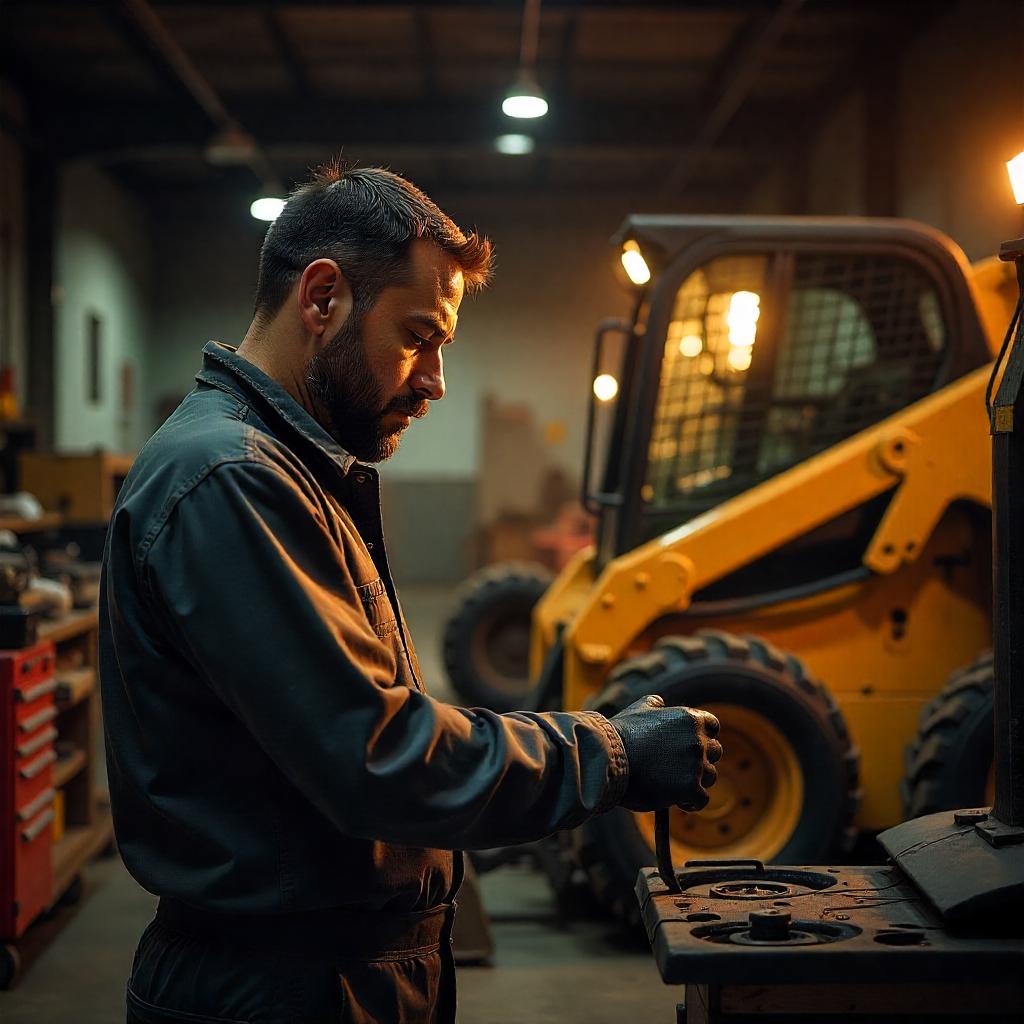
279 776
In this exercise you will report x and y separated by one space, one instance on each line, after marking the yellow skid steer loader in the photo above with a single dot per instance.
790 466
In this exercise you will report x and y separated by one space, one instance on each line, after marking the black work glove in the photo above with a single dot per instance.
671 754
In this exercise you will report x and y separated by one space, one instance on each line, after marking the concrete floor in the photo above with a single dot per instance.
544 970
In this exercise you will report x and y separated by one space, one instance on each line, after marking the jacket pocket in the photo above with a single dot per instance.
141 1012
377 608
402 989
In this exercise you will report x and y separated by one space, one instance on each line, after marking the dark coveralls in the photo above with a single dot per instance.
279 777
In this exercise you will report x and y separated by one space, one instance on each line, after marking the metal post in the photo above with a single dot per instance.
1008 575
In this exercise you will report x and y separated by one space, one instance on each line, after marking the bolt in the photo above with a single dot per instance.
769 925
842 917
607 600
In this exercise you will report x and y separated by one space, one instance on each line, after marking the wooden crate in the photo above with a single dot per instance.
82 488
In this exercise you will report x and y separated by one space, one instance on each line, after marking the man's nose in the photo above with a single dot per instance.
428 380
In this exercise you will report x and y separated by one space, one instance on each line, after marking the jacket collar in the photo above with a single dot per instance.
223 368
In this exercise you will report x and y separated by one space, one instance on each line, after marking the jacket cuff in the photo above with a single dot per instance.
618 764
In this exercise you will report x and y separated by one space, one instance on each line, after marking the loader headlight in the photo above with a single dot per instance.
634 263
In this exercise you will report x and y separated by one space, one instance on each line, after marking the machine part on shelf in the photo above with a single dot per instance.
788 784
486 640
949 762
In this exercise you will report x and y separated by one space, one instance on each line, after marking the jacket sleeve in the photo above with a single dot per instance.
257 595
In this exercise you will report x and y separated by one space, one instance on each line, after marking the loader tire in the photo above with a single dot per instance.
486 641
949 761
787 788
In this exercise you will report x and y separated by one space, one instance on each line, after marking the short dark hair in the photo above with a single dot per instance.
364 218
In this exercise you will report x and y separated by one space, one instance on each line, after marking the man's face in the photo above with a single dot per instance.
382 369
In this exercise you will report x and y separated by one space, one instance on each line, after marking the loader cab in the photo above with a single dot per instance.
756 344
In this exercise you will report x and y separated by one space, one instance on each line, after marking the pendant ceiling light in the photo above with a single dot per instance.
525 99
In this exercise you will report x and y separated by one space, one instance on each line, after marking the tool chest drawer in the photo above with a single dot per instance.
27 755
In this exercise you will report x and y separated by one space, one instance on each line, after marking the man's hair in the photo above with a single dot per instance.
364 219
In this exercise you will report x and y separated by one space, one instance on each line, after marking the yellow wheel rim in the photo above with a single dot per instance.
756 803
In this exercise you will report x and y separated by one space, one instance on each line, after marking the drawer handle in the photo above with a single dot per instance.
35 692
37 826
33 722
31 746
34 806
30 771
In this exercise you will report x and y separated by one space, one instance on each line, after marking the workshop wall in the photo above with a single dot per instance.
13 242
958 116
102 290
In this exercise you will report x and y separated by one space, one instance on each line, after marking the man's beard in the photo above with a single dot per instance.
350 403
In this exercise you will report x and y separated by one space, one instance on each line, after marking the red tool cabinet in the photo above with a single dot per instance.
27 732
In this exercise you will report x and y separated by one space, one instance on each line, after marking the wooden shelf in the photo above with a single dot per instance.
66 769
79 845
71 625
47 521
73 686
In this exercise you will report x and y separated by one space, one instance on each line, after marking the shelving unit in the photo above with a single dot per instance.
77 807
87 828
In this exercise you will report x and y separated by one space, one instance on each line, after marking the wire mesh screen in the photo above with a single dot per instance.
860 337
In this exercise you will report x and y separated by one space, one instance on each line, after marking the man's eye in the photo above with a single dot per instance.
416 339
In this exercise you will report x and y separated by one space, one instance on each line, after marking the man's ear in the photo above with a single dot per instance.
324 298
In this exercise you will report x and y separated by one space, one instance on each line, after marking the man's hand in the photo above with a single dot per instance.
671 754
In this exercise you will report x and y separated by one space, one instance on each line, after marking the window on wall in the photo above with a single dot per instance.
94 356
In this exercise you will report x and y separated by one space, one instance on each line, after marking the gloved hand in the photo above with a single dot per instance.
671 754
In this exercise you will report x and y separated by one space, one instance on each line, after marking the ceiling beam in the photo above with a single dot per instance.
731 86
285 52
96 128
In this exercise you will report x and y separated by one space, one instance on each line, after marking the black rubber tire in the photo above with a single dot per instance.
497 600
948 761
714 667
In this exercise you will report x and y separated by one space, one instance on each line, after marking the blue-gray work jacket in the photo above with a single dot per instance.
270 744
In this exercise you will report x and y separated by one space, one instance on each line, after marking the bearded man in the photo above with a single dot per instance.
279 776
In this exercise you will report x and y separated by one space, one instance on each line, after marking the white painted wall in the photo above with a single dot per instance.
103 265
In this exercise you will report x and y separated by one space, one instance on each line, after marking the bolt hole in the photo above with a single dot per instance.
745 801
703 917
900 938
725 828
743 765
781 903
887 549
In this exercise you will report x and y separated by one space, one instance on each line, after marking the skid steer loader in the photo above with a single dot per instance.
793 489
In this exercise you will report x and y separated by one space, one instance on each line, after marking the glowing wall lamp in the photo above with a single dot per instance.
1015 168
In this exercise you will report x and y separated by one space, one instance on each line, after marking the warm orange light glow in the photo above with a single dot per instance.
1015 168
634 263
740 358
744 311
606 387
691 345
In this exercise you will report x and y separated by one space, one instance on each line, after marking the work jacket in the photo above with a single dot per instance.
270 744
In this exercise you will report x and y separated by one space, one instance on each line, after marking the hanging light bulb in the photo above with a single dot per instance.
525 99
